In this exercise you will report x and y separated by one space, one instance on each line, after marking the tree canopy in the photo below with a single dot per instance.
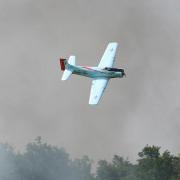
41 161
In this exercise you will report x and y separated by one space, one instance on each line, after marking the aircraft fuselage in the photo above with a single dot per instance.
95 72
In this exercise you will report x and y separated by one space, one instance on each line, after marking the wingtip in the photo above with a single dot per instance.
92 103
113 43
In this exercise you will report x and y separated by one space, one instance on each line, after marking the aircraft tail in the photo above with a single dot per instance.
67 67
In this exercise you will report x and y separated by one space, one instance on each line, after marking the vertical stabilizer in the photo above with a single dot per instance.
63 63
72 60
67 67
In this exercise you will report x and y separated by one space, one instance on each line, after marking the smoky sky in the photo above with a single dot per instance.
143 108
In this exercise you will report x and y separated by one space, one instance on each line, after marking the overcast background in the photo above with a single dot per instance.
143 108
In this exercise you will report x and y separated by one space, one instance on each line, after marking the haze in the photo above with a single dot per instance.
143 108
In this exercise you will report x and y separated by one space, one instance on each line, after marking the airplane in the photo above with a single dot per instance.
100 74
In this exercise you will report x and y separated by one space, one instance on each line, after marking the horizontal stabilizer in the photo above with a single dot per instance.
66 75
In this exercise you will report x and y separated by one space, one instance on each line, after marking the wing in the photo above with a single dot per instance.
108 57
97 88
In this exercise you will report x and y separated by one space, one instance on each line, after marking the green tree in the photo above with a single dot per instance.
45 162
176 165
81 169
154 166
119 169
42 161
7 162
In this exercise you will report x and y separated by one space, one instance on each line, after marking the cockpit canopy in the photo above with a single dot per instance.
114 69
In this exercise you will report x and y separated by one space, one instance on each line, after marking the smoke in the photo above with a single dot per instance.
138 110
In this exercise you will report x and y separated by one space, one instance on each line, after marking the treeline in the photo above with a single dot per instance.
41 161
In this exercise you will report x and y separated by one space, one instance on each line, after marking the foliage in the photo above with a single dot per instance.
154 166
81 169
117 170
41 161
7 162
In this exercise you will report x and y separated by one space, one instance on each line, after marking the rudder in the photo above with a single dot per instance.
67 67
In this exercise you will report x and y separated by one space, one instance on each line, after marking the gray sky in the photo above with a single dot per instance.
143 108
